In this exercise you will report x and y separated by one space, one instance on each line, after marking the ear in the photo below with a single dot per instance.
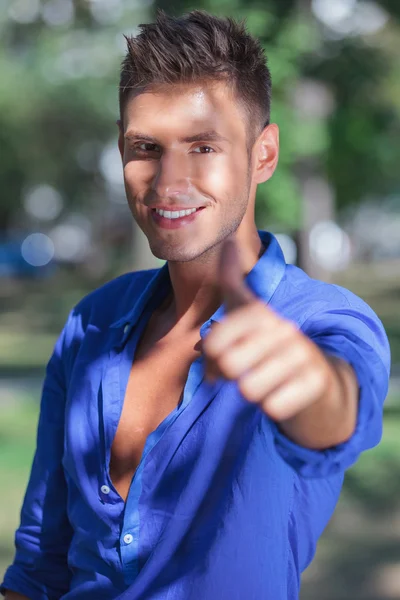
121 140
266 153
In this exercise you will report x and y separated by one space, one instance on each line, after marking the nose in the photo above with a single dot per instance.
172 177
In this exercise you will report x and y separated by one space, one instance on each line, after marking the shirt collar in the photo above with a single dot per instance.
266 274
158 283
263 280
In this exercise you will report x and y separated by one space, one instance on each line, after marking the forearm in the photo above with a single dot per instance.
330 420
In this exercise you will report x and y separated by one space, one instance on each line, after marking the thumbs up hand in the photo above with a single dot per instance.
276 366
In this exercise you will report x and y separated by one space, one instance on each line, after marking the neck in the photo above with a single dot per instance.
195 290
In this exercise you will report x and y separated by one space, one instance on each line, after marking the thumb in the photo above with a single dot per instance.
235 292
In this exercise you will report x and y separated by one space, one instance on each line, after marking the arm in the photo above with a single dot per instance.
40 569
322 386
353 334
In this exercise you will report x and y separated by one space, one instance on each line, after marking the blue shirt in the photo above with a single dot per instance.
222 504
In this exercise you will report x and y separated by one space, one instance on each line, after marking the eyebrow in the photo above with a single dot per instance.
204 136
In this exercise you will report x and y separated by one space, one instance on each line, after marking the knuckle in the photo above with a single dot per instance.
301 354
229 366
317 380
274 410
248 389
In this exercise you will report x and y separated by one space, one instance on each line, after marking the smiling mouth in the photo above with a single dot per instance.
176 214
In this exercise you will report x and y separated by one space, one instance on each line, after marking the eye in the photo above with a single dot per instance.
145 149
203 150
148 147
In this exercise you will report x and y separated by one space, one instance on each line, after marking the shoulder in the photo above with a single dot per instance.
299 296
326 310
109 302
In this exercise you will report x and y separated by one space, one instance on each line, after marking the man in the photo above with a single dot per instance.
150 479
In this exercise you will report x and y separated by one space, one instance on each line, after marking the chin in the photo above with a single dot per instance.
170 253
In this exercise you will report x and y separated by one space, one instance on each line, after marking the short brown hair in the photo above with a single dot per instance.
198 47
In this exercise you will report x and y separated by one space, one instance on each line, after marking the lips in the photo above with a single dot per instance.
175 214
176 207
174 219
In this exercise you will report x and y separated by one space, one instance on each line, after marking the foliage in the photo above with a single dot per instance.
58 102
355 143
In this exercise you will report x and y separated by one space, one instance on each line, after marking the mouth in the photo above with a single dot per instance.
176 214
174 219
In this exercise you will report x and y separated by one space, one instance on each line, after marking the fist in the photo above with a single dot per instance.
275 365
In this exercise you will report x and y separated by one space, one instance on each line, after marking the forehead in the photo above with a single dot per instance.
187 108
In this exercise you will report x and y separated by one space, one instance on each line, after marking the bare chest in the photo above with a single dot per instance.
155 387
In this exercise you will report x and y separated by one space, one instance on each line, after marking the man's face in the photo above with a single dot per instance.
185 148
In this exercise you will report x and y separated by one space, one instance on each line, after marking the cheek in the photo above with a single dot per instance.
137 178
226 176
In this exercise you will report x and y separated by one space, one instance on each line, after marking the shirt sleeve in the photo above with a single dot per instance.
352 332
314 501
40 569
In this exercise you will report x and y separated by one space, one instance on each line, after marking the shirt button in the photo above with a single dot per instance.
128 538
105 489
126 327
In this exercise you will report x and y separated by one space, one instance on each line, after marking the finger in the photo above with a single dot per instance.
300 391
258 348
235 292
272 372
245 321
211 371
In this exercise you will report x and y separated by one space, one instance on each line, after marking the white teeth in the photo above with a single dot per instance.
175 214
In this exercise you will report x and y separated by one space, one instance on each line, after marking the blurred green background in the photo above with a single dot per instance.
334 203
